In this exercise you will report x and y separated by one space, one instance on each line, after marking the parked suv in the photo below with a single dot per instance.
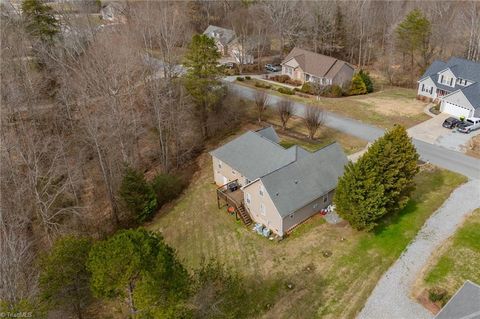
470 124
451 123
273 68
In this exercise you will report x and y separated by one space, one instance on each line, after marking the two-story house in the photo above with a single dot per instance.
228 44
308 66
455 84
279 188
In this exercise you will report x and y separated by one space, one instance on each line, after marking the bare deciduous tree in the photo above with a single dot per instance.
285 110
314 118
261 103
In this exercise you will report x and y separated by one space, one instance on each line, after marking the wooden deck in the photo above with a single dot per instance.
233 199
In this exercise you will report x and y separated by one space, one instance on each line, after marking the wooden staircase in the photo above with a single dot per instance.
244 216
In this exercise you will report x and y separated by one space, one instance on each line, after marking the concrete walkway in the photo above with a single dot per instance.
391 297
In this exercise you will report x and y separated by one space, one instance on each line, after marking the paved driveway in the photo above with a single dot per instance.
433 132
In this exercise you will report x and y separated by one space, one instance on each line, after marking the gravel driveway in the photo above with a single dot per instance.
391 297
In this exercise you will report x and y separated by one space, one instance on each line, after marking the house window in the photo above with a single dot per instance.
451 81
249 198
423 87
291 216
261 190
307 77
431 90
219 164
315 206
325 199
441 79
263 211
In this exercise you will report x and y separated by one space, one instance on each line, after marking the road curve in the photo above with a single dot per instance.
435 154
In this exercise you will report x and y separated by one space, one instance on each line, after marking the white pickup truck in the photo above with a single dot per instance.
470 124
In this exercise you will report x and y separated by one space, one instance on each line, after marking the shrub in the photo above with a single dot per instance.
293 82
357 86
286 91
307 88
137 195
239 78
248 78
436 294
280 78
262 85
332 91
367 80
167 187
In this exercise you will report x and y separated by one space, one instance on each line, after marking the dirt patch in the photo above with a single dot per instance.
473 147
429 305
388 106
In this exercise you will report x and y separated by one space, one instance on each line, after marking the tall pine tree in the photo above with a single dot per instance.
380 182
40 21
202 78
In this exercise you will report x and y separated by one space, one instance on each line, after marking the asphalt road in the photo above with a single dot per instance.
435 154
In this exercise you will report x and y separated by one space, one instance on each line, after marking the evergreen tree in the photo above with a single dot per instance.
380 182
40 21
357 86
138 195
413 35
139 266
367 80
202 78
64 278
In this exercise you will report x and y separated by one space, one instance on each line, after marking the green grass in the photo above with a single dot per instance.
309 146
459 259
333 287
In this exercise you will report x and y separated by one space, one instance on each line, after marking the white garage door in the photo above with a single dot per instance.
455 110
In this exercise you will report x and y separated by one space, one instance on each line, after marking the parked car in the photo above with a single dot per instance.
228 65
470 124
451 123
273 68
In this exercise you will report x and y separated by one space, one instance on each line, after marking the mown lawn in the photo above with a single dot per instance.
297 134
384 108
327 287
458 260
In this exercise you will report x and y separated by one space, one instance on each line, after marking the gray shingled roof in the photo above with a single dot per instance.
269 133
316 64
301 182
462 68
465 69
472 93
225 36
254 156
464 304
434 68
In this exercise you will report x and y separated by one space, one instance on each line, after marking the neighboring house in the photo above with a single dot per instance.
455 84
308 66
113 11
228 44
464 304
280 188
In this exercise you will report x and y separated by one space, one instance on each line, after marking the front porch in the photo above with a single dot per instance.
231 195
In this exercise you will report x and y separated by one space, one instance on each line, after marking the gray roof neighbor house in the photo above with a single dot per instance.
465 304
455 83
224 36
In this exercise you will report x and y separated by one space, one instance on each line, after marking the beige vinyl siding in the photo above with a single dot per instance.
271 218
343 76
307 211
222 169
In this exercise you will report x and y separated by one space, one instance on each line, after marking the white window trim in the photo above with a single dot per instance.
263 209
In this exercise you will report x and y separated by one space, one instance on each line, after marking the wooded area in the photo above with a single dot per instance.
82 101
